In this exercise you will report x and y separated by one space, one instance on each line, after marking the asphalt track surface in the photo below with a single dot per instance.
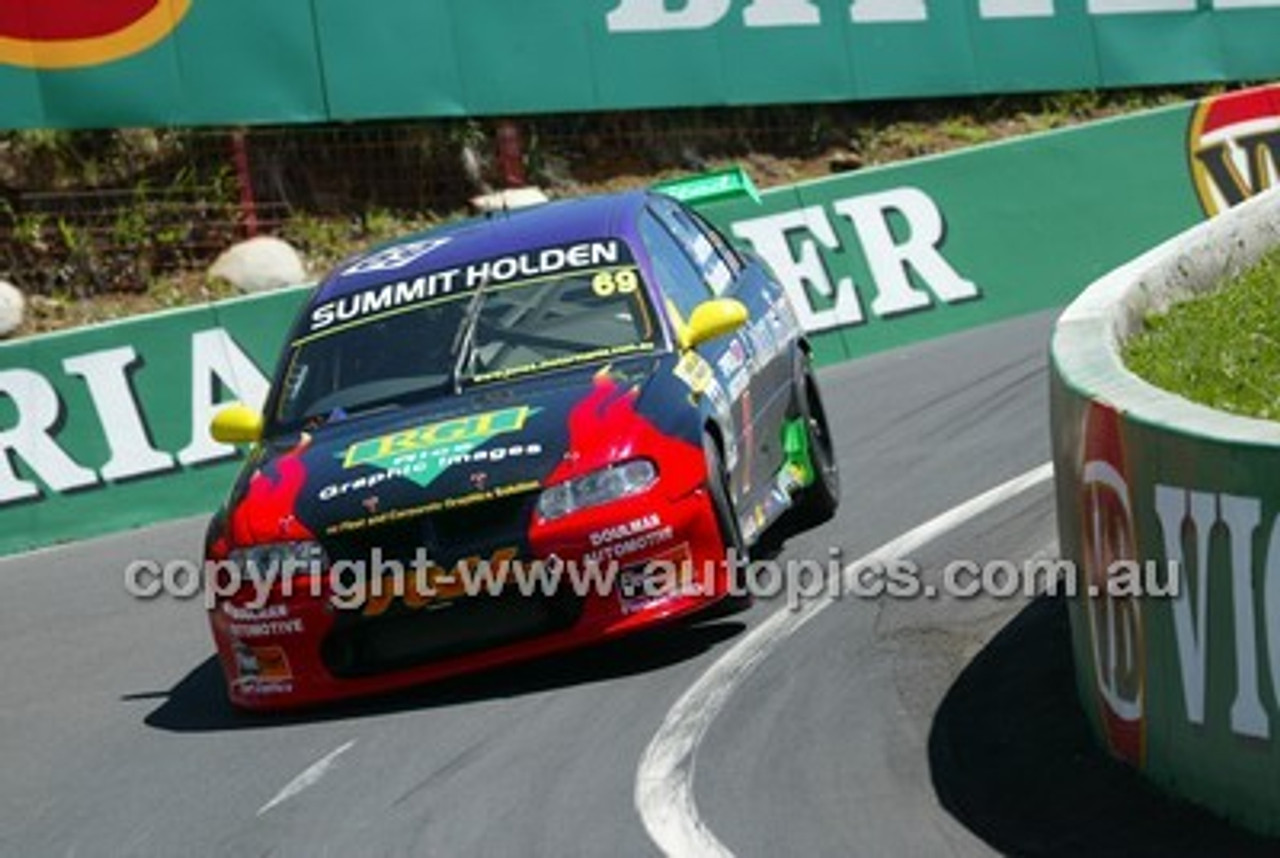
922 727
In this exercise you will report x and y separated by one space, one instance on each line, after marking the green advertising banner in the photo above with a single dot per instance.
110 63
105 428
1181 676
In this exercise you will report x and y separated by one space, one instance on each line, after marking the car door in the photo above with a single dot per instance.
771 334
684 288
707 272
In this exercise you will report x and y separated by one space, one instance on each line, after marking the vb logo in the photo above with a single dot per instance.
1234 147
1115 623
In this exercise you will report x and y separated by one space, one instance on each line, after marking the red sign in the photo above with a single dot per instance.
55 34
1115 623
1234 147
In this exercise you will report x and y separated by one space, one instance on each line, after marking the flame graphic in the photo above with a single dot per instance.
268 511
605 428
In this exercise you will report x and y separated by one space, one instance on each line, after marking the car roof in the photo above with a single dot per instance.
555 223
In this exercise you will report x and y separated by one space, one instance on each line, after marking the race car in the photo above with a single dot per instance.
506 437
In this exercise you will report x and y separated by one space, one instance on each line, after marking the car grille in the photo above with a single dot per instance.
447 535
402 638
464 529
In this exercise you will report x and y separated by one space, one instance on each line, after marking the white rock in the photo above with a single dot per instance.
12 306
512 198
260 264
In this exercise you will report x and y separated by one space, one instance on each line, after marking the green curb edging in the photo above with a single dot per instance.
1186 687
115 417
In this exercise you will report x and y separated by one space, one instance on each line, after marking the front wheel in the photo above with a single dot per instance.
817 502
721 502
735 546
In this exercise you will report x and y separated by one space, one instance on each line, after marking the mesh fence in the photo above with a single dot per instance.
94 211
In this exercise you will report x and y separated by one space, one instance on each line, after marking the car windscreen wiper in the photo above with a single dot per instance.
464 340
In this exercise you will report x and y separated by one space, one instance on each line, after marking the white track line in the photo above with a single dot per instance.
308 778
664 781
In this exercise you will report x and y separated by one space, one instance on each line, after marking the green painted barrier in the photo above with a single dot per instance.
871 260
110 63
107 427
1171 512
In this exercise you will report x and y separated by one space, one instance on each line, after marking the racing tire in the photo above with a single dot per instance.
818 501
730 530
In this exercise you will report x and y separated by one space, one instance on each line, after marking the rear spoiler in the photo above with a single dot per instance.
713 187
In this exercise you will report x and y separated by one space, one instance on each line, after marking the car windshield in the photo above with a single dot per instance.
494 319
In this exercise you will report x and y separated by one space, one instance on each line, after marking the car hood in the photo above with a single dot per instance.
490 442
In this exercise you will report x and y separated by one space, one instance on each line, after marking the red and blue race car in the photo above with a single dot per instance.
506 437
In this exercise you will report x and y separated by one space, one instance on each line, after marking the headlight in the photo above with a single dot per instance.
280 558
597 487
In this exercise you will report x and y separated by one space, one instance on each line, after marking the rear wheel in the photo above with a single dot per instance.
817 502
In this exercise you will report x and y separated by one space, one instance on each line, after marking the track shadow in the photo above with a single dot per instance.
1012 758
198 703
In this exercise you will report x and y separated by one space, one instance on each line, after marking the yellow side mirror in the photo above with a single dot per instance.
712 319
236 424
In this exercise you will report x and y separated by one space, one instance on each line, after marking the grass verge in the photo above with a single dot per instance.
1221 349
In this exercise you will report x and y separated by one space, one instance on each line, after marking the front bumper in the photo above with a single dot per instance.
301 649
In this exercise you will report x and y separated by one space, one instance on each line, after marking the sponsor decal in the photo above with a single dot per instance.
337 490
738 385
1116 631
733 359
1233 145
371 303
540 263
695 372
262 670
563 361
624 281
63 34
423 453
658 16
754 523
735 366
764 341
433 585
661 578
627 539
430 463
395 257
748 439
270 621
427 288
394 515
267 629
255 615
622 531
632 546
